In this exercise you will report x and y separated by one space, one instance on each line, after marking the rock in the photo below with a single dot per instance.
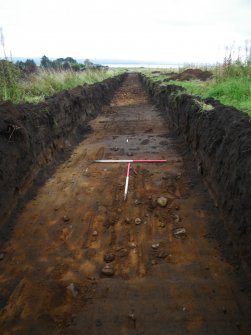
137 221
132 245
71 288
129 154
153 262
127 221
66 218
153 203
155 246
109 257
162 225
180 233
94 233
108 270
176 218
137 202
161 254
162 201
123 252
1 256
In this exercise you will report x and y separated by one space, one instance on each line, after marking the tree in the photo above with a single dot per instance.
46 62
88 64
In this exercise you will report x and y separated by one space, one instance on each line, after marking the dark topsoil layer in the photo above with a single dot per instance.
31 135
221 141
188 74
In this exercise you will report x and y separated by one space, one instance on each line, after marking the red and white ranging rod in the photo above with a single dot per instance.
127 180
129 161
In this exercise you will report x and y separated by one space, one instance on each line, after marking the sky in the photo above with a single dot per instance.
179 31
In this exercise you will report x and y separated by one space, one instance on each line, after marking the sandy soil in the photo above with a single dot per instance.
159 279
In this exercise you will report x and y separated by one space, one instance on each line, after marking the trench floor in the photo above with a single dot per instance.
167 273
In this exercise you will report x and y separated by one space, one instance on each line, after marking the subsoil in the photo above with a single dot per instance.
81 260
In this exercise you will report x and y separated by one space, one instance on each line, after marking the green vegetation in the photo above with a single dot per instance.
231 83
25 82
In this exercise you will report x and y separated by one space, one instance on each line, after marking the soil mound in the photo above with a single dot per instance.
191 74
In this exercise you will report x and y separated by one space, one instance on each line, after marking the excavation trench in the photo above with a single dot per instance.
81 260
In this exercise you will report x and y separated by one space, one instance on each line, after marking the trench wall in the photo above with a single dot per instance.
31 135
221 141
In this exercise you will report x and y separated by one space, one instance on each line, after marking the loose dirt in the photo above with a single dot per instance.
81 260
191 74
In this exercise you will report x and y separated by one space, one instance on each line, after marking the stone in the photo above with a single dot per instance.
161 254
180 233
176 218
94 233
162 225
72 289
109 257
108 270
155 246
66 218
137 221
127 221
1 256
132 245
123 252
162 201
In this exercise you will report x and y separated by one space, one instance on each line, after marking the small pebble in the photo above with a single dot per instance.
94 233
132 245
154 262
123 252
137 202
155 246
176 218
72 289
161 254
162 225
132 316
1 256
109 257
108 270
66 218
127 221
180 233
137 221
162 201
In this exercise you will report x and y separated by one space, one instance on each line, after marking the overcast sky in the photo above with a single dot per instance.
157 30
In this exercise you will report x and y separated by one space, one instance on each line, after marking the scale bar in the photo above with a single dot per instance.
127 180
130 161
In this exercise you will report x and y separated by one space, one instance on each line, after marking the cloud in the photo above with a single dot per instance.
153 30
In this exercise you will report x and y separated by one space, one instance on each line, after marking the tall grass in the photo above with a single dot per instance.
231 83
37 86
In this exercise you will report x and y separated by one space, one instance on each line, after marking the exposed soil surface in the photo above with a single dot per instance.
191 74
83 261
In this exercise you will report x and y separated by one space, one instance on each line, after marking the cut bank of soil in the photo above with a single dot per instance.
166 280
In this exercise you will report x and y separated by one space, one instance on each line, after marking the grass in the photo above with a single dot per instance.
231 84
44 83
